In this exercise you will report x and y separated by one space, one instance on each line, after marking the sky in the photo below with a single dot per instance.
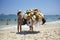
47 7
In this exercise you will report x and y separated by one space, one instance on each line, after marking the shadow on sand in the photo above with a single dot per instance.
28 32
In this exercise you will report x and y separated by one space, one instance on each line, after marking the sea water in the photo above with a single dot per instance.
13 19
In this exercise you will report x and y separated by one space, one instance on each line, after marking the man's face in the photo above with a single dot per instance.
19 14
35 11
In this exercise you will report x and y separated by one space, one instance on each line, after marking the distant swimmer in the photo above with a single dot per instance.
7 22
15 19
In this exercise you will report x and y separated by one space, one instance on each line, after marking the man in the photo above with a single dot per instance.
19 14
30 22
28 17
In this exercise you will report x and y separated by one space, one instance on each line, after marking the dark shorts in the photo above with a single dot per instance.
43 20
24 21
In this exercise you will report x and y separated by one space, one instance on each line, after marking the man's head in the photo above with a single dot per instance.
19 11
35 11
28 11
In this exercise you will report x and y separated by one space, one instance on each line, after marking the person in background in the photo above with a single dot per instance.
19 14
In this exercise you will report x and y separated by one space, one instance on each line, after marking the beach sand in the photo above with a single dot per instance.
48 31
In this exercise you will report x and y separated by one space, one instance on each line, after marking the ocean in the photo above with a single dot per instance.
13 19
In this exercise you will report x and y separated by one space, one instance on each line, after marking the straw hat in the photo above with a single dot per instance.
28 10
35 10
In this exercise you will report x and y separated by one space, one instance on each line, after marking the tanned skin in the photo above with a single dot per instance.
19 21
